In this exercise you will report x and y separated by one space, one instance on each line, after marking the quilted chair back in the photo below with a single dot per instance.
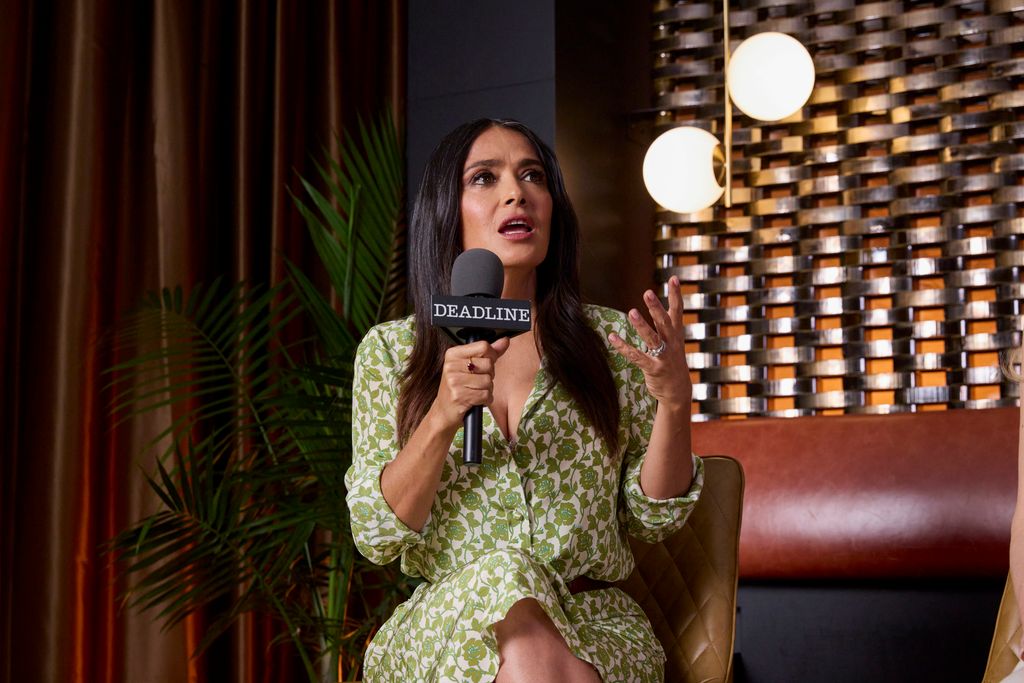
1005 639
687 583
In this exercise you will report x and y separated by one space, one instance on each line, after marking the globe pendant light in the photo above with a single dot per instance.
680 169
770 76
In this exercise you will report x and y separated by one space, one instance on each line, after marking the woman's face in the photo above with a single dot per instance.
506 206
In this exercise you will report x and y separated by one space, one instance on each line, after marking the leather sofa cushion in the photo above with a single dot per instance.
917 495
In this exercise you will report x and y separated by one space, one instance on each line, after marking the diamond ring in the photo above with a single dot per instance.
654 353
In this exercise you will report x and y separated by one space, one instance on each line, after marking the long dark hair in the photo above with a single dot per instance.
576 354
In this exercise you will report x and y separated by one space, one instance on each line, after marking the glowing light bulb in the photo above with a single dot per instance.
680 170
771 76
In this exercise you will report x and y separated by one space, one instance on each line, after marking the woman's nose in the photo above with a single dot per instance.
515 197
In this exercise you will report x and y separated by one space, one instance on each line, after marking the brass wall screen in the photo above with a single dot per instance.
872 259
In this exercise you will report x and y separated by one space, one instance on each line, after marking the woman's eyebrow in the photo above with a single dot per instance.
490 163
483 163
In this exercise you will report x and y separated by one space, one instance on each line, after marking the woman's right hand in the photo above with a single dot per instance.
467 379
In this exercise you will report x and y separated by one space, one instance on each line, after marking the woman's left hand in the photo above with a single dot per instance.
666 373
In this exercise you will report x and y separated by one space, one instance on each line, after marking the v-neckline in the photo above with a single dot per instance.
537 391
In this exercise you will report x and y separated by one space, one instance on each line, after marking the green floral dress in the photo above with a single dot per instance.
550 505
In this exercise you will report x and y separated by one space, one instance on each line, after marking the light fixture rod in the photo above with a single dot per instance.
728 106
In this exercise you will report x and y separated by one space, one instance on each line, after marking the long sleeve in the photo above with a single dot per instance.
646 518
379 534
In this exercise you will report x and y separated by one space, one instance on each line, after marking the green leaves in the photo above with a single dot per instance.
355 235
255 430
204 359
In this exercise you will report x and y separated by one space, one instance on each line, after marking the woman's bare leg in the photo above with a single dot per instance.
530 649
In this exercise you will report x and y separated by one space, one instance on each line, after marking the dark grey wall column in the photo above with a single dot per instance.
602 66
474 59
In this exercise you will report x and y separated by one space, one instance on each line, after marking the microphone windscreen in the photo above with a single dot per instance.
478 272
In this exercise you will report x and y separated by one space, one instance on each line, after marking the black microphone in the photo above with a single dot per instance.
476 311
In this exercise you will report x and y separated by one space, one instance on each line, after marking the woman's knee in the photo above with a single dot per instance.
531 648
525 620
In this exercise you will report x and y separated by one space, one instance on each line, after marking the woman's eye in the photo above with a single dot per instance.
482 178
534 176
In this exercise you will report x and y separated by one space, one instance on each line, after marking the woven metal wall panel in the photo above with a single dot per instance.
872 259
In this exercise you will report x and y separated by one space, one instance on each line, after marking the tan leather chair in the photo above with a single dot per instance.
687 583
1006 639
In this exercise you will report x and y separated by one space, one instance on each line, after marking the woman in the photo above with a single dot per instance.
1012 368
584 437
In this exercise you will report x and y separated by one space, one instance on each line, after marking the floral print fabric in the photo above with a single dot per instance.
546 507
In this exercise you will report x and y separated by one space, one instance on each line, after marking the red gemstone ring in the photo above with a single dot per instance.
470 366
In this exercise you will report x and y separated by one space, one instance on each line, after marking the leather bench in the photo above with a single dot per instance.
917 495
870 545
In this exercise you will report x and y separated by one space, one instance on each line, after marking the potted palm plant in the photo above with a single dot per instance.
250 466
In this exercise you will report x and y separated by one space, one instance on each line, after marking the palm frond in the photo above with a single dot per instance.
256 434
337 337
355 234
201 355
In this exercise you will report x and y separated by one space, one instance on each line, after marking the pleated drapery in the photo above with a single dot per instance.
142 144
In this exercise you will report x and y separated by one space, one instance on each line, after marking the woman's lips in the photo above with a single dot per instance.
517 235
516 228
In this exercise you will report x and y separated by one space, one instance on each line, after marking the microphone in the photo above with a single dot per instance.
476 311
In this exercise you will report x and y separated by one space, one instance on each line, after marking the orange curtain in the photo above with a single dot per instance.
142 144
